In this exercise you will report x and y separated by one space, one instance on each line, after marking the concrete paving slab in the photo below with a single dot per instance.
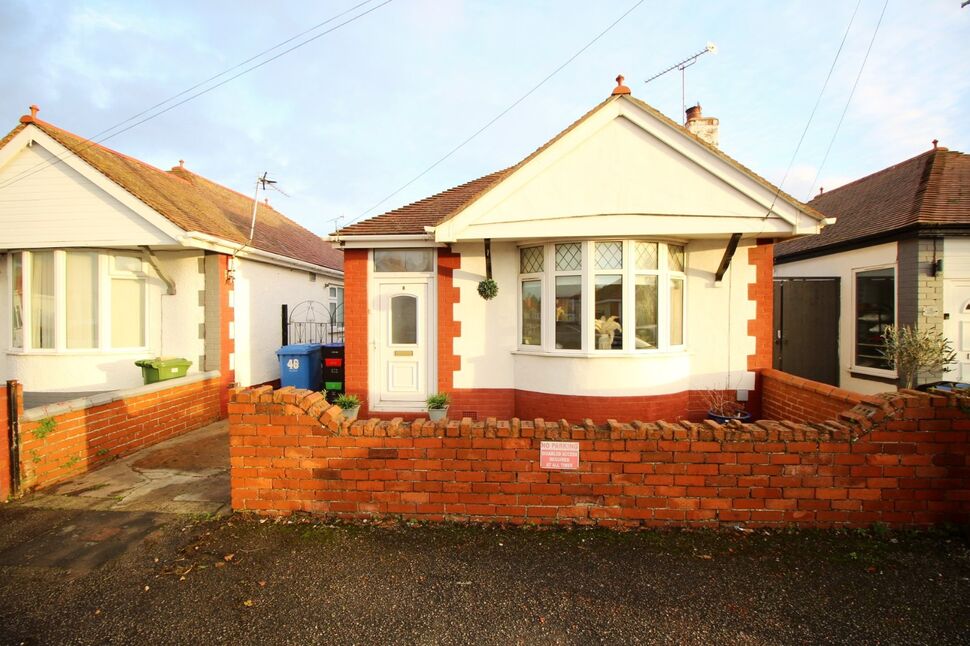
188 475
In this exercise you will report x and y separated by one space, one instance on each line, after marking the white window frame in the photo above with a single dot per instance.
629 272
106 272
869 370
540 276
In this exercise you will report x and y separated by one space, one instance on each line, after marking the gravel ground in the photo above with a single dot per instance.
245 581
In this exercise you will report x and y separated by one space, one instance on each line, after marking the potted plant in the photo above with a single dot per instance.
350 405
721 408
605 329
911 351
488 289
438 406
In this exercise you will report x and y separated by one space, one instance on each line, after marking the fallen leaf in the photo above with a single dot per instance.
871 569
228 557
219 564
97 611
706 557
248 603
262 584
147 588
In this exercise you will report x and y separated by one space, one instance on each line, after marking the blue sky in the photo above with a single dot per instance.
352 116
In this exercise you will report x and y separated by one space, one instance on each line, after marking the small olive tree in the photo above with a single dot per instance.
911 351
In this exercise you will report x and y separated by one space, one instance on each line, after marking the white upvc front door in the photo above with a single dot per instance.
404 321
956 327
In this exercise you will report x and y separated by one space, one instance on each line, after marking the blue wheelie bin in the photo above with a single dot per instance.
300 365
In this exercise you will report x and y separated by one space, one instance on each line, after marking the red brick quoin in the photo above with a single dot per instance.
903 462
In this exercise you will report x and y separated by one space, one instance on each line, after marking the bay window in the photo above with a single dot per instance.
602 296
77 300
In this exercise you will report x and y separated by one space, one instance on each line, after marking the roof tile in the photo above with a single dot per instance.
932 188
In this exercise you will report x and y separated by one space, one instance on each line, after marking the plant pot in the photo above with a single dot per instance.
743 417
435 414
604 341
350 414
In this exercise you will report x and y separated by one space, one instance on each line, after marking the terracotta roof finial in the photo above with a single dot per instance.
935 142
620 88
32 116
821 189
181 163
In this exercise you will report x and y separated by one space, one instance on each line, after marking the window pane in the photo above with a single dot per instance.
531 312
530 260
404 320
875 311
609 255
646 307
676 311
569 257
569 311
42 299
127 313
82 299
675 258
340 306
17 306
609 312
403 260
646 255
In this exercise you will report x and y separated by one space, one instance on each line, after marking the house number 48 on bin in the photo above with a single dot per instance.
293 364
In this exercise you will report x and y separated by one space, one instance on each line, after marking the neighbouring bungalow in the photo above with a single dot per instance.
898 255
633 263
106 260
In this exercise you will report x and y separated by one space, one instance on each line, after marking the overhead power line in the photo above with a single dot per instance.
838 126
811 116
499 115
97 139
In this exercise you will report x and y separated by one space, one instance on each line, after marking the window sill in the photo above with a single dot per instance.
75 353
642 354
883 376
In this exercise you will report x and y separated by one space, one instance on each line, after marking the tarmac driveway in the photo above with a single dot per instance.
236 580
188 474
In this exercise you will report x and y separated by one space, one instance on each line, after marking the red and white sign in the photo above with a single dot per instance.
559 455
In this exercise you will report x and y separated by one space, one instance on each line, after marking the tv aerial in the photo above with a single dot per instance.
683 65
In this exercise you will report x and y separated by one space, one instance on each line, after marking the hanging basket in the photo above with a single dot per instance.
488 289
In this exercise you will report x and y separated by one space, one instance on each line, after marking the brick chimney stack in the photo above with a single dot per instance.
703 127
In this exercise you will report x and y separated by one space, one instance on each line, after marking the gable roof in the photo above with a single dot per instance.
194 203
436 209
930 189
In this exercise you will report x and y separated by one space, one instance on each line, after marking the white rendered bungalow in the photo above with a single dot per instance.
633 264
105 260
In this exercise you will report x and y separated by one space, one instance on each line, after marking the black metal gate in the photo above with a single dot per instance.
312 322
807 328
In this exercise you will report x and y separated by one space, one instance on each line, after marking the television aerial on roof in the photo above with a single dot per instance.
683 65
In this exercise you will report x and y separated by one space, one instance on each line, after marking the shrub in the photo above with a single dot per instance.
438 400
911 351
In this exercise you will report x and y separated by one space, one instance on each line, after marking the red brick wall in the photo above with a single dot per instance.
905 462
786 396
761 327
448 328
72 443
355 324
672 407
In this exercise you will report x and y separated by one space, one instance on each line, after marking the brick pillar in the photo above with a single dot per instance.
6 485
761 291
448 328
356 342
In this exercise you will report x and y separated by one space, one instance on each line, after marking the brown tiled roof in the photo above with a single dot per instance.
194 203
431 211
930 189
